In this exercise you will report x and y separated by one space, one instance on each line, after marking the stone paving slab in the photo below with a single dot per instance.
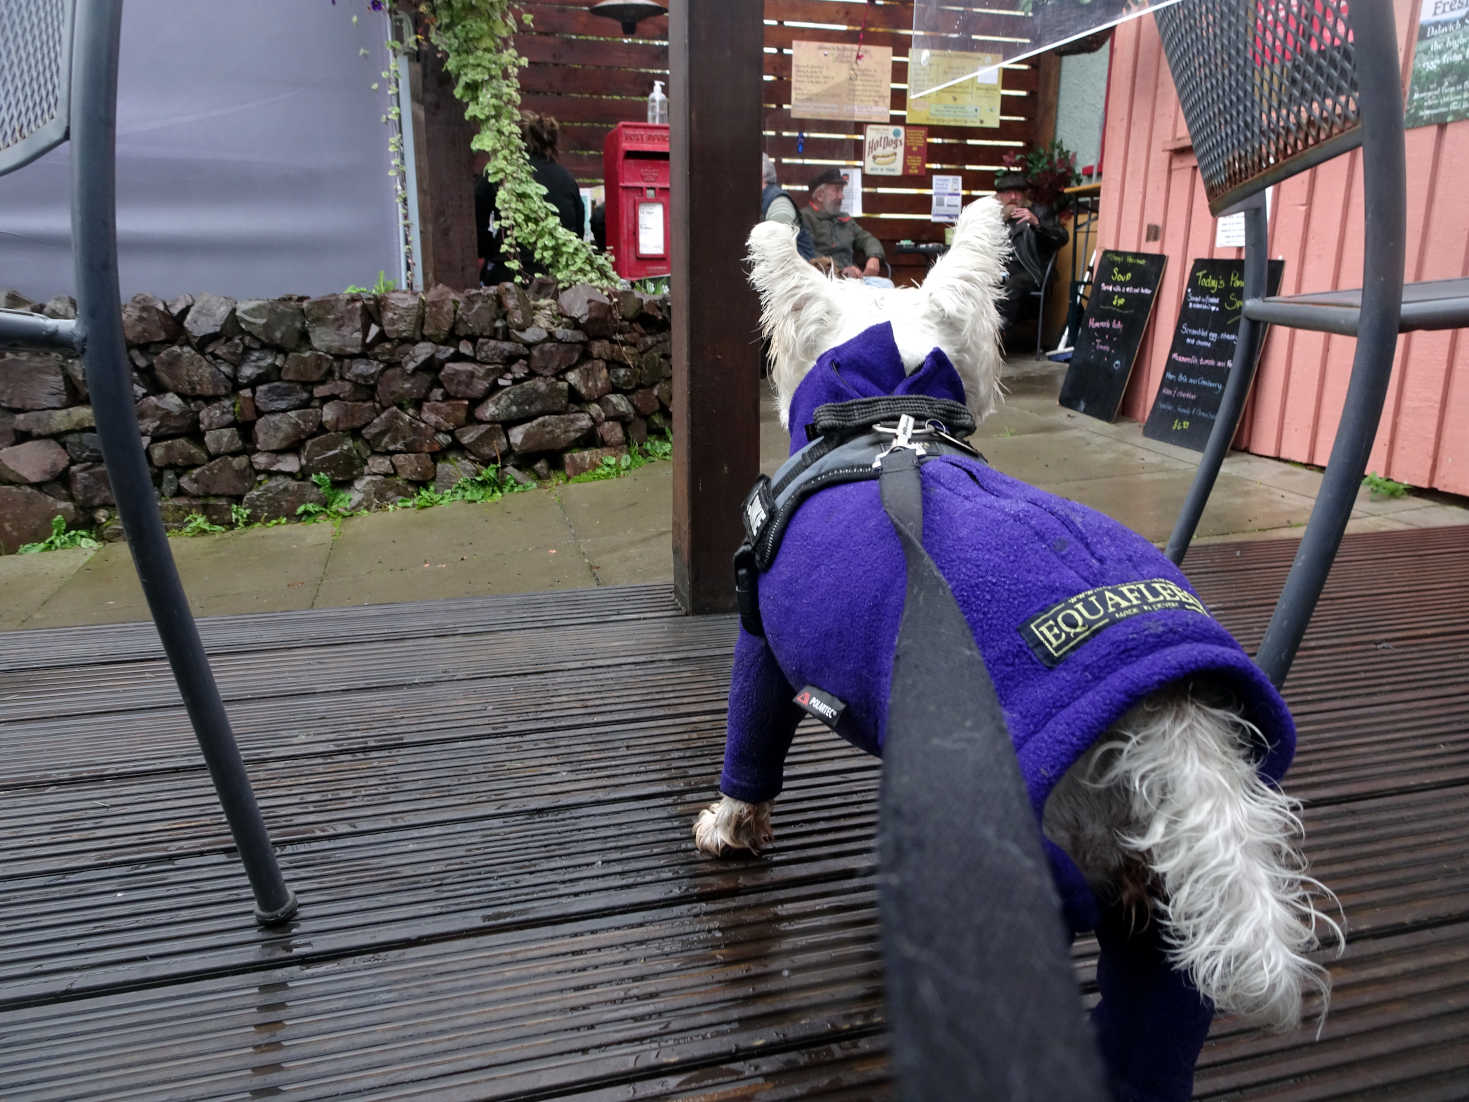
1149 503
28 581
254 570
1067 454
519 544
623 526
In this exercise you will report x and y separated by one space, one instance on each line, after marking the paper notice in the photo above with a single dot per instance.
944 88
829 81
852 197
915 150
948 198
650 229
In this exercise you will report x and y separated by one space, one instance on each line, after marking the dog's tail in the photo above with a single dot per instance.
1237 908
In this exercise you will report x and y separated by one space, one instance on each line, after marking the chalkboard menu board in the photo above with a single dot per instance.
1124 288
1203 347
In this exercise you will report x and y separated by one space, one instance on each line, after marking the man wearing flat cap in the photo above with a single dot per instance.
1035 236
837 235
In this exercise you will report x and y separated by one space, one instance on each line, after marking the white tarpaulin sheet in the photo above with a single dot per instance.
251 157
997 31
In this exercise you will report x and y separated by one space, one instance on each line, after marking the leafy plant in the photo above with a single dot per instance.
197 524
381 287
489 485
1382 486
239 516
610 467
336 506
477 38
638 455
426 498
61 539
654 285
1049 170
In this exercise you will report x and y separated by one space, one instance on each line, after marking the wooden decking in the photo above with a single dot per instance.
484 806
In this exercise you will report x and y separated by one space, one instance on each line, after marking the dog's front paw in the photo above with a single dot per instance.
733 826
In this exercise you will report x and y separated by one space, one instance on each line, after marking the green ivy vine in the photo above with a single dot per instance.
477 38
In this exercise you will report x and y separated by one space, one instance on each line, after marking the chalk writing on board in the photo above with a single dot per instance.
1123 291
1187 402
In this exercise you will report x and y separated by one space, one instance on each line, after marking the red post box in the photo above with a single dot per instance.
635 170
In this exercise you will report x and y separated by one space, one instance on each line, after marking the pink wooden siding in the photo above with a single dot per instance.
1152 200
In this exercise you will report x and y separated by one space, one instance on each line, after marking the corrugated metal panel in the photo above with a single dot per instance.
489 832
1152 199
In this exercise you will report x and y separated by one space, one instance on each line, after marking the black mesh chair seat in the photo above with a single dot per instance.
1268 88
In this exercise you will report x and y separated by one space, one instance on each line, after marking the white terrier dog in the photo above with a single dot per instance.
1162 806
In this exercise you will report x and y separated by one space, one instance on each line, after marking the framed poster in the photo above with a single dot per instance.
829 81
1124 289
882 151
1187 403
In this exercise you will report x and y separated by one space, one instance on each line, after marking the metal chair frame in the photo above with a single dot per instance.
1040 310
86 112
1375 315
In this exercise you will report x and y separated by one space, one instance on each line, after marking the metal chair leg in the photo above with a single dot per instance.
1384 181
100 341
1236 387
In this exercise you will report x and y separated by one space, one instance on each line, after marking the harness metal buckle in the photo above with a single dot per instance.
940 430
902 439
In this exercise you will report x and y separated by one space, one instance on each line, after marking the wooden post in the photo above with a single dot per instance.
445 175
715 65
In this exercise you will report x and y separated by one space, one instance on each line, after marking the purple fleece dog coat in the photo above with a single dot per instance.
1076 616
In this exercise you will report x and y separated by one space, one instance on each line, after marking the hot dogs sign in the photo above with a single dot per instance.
883 152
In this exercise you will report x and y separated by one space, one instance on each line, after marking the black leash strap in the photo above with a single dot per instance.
982 1000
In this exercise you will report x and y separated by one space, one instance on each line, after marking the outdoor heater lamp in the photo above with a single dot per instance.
628 12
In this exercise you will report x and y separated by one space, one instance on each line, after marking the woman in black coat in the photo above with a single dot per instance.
540 133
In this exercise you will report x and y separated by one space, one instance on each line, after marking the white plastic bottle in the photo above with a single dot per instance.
658 104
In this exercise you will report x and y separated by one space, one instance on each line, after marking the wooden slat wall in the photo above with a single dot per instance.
588 76
1153 199
894 207
585 74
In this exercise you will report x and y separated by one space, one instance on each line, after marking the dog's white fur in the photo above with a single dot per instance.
1166 812
803 312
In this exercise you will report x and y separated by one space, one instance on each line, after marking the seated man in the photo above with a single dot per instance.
837 235
1035 235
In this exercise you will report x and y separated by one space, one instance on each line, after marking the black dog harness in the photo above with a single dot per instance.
849 443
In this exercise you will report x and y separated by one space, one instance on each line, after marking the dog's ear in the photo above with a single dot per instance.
799 312
961 296
972 273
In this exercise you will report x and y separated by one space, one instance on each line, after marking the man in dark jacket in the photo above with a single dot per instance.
540 133
839 235
1035 236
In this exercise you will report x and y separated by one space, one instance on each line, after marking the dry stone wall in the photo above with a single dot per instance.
241 403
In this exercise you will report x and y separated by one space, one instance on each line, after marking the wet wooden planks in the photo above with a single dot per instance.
484 806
